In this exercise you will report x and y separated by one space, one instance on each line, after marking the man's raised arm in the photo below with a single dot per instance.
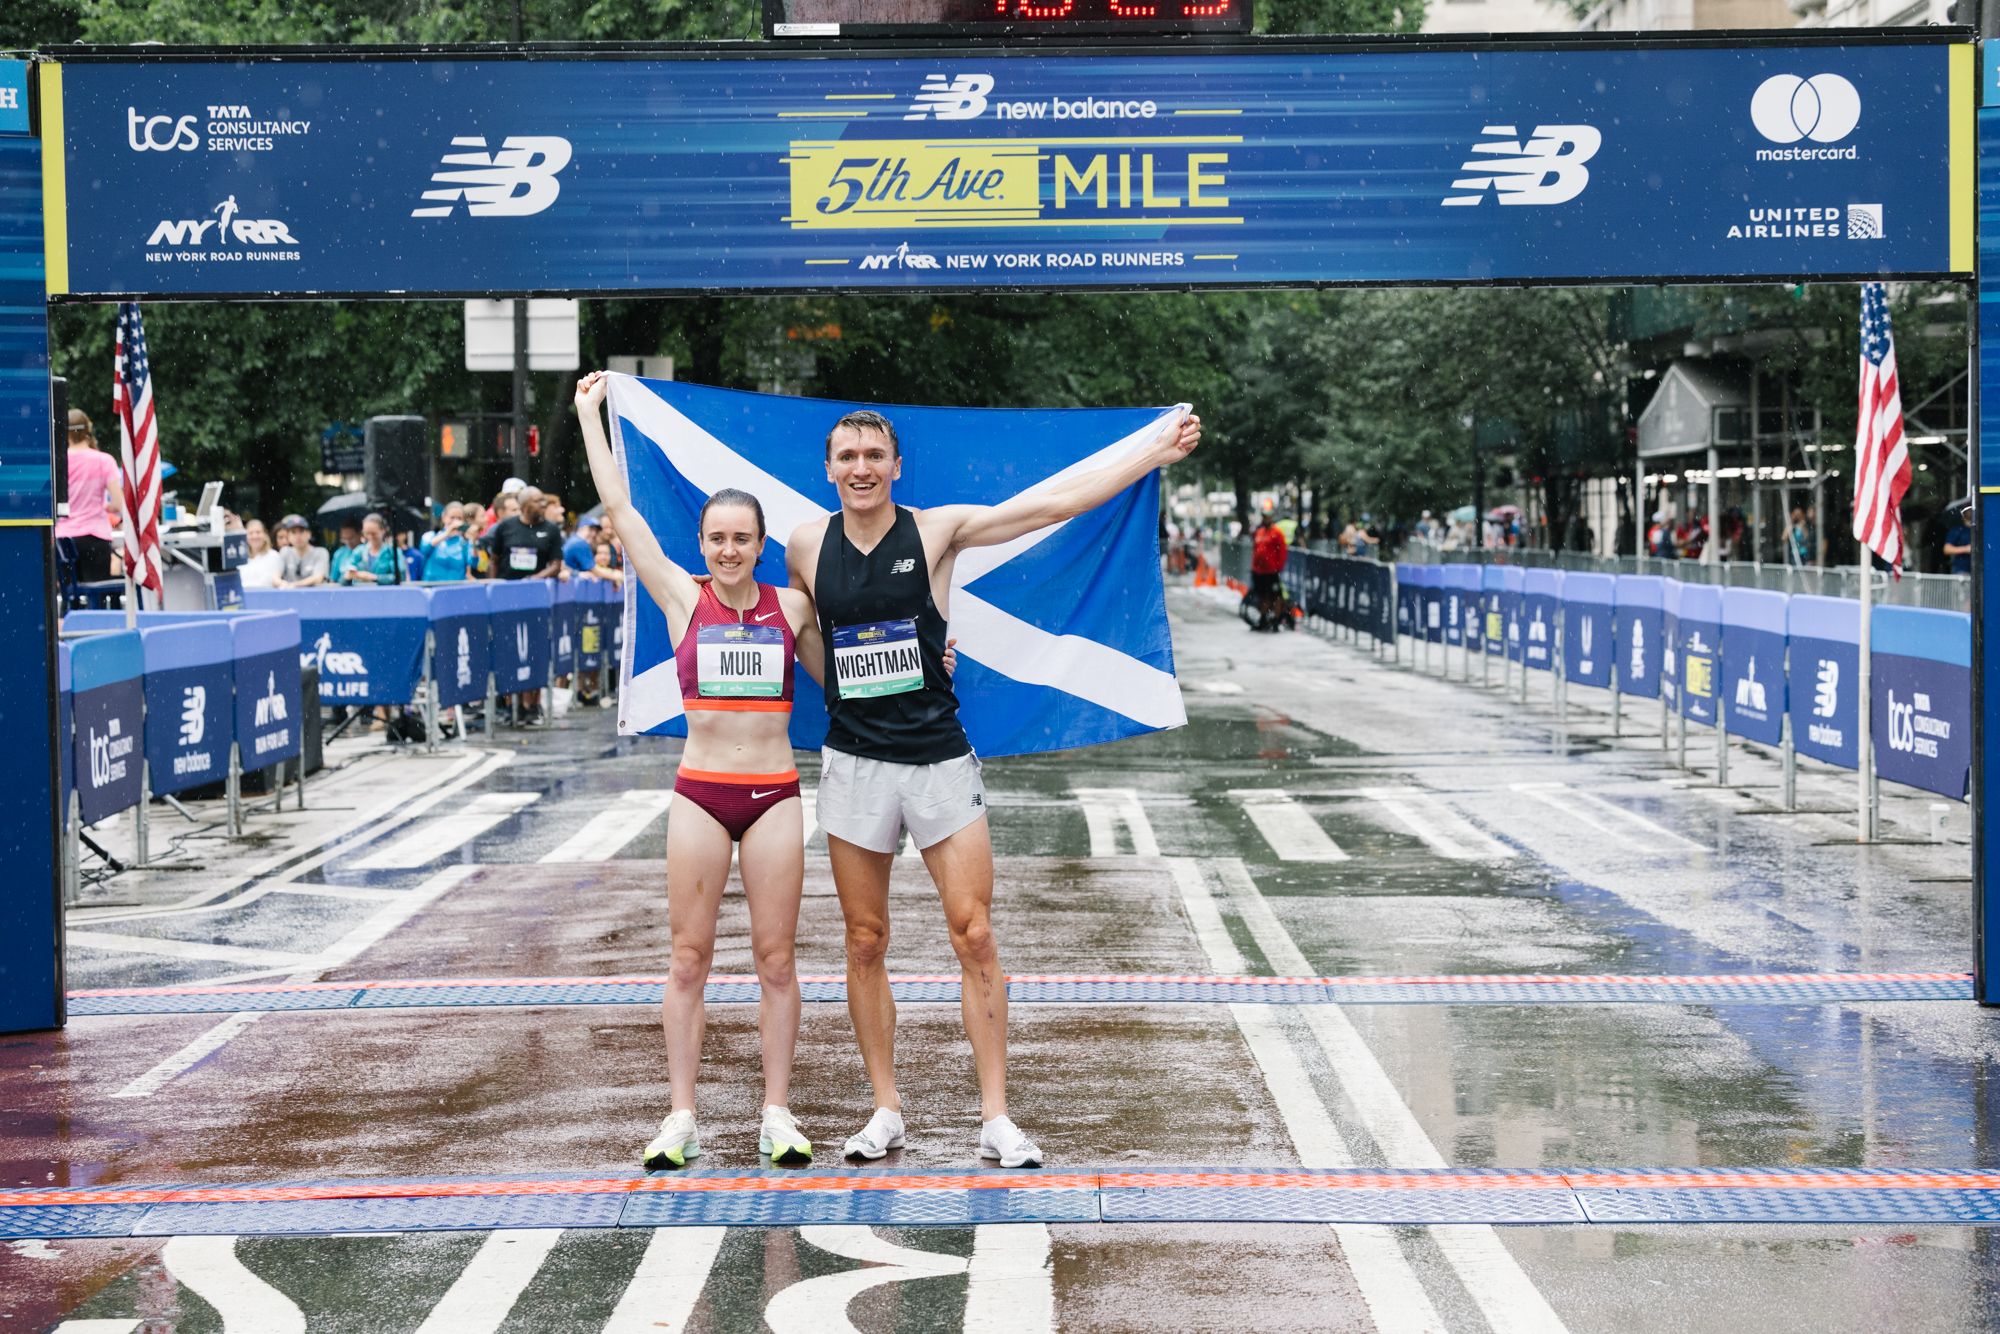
990 525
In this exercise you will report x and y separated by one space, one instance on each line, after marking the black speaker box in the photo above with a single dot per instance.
398 471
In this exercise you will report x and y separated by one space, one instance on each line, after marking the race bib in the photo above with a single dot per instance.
878 659
523 559
739 661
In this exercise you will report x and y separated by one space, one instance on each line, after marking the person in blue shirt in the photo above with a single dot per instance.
344 554
448 552
375 561
580 552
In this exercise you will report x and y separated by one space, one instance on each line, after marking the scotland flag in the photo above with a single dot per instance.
1062 634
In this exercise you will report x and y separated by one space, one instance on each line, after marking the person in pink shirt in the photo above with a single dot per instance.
96 488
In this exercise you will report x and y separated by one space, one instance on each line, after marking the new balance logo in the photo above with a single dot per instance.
1826 689
904 566
1547 169
960 98
194 722
516 180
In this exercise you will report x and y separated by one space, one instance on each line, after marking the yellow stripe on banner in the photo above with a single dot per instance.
55 184
1964 158
27 523
1989 490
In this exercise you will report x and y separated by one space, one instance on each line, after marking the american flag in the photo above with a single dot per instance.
139 444
1881 455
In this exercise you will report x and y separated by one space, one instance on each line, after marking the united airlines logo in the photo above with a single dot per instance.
516 180
1547 169
962 97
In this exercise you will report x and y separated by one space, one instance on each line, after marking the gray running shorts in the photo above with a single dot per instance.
869 803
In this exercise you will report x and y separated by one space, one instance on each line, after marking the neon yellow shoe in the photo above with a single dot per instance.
674 1145
781 1138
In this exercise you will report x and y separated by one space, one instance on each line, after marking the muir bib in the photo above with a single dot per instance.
740 661
877 659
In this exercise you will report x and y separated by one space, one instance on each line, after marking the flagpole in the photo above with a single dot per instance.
1864 748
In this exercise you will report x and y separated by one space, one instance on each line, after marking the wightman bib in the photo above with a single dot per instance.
881 658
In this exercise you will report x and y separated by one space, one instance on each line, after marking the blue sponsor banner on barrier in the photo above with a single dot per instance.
1920 691
1753 664
521 613
65 727
1541 598
1823 678
14 96
835 171
108 700
462 642
593 635
190 718
1452 595
1670 661
1511 608
566 627
27 481
1408 599
1698 651
1492 610
1589 642
367 644
1641 634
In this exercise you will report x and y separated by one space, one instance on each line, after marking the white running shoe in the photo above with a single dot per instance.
674 1145
781 1138
883 1132
1000 1138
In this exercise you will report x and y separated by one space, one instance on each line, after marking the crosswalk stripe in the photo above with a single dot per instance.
607 832
668 1283
1287 826
1442 829
1104 809
1574 801
435 838
809 799
168 947
486 1291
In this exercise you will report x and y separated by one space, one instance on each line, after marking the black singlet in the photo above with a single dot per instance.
866 606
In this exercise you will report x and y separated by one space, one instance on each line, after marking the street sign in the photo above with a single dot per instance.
343 448
553 339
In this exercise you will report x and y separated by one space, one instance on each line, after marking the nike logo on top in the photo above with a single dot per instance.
759 796
765 617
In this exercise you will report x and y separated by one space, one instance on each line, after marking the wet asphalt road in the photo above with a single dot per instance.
1324 813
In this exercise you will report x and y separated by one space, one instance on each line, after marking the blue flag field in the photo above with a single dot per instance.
1062 633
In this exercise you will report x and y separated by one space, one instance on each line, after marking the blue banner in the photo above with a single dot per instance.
1222 166
566 627
1590 645
1753 664
65 731
1062 634
522 612
1641 634
190 698
1670 635
1823 682
1920 691
1697 633
460 618
1432 598
1541 597
1409 600
107 710
1493 610
367 644
27 484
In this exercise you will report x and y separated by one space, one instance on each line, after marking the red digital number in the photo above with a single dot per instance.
1027 9
1214 10
1128 9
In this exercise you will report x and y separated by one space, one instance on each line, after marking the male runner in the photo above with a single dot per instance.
896 757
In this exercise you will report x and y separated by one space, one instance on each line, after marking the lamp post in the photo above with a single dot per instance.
1471 421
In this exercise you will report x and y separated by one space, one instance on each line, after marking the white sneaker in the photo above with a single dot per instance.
674 1145
883 1132
1000 1138
781 1138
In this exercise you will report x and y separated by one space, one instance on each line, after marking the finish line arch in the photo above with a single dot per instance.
148 173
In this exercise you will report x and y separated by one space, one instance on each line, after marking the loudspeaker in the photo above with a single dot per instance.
59 436
398 467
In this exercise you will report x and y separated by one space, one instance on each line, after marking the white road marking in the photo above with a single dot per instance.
668 1282
1395 1296
819 1305
809 801
1443 830
1287 826
1571 801
34 1248
1010 1285
448 833
501 1270
1104 809
1222 687
208 1267
168 948
1494 1279
120 1325
407 905
359 893
910 848
608 831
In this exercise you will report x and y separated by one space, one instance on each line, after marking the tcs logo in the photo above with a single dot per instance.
160 134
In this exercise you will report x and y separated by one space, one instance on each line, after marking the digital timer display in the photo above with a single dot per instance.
1002 18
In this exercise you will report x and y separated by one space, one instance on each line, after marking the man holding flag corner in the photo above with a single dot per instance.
896 756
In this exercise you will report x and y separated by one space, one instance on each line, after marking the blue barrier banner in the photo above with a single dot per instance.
1541 596
190 699
1430 601
834 171
269 691
1753 664
1824 677
1590 643
1640 633
522 612
565 627
1409 600
1492 610
65 731
1698 650
107 678
1920 688
368 644
592 638
1452 595
1670 634
460 630
1512 610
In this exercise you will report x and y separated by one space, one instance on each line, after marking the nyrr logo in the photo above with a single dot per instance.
516 180
955 98
464 658
1547 169
899 258
160 134
270 705
325 659
191 232
1786 108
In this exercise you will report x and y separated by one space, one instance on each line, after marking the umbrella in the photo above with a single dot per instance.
1503 511
350 507
1463 514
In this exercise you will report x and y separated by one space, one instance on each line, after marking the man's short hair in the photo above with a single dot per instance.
866 420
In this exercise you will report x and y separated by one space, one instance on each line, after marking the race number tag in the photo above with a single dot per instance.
522 559
877 659
739 661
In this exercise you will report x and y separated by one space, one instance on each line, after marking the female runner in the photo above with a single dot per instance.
734 644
